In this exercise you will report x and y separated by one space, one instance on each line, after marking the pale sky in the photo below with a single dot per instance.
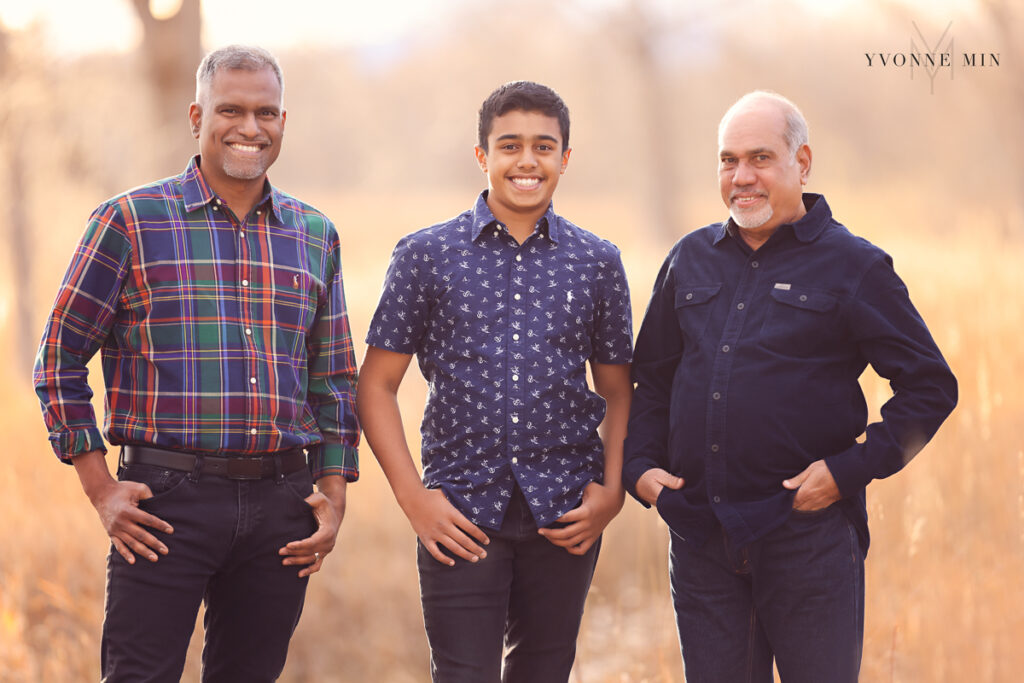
74 27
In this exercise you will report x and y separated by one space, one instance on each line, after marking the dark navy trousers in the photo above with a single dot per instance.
524 600
224 552
795 596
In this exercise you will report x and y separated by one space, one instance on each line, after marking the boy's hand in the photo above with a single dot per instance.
585 523
437 522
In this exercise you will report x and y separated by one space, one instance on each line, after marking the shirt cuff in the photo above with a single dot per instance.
69 444
632 470
849 470
333 459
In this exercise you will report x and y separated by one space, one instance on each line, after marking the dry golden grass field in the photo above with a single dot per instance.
944 575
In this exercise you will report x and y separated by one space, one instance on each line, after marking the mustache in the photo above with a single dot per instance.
734 195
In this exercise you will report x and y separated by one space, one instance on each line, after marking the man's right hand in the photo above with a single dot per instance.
651 482
437 522
118 508
117 503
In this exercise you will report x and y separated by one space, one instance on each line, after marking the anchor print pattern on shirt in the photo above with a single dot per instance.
502 333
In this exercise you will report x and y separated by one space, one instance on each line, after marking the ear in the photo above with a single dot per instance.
565 159
481 157
195 118
803 158
284 117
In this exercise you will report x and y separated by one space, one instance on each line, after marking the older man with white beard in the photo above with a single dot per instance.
748 428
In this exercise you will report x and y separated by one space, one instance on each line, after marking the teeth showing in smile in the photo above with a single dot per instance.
526 183
245 148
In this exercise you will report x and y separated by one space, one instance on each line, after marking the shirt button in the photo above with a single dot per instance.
515 419
248 331
258 212
515 378
714 448
517 297
754 264
725 349
803 297
739 306
241 235
519 257
515 461
515 337
245 283
253 431
717 499
689 295
215 208
252 380
219 202
716 396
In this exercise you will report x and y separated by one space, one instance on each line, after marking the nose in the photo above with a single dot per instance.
743 174
247 125
527 159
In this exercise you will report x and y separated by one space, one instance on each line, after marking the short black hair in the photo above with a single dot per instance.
522 96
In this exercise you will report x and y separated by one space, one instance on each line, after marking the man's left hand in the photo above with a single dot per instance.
328 509
586 522
815 488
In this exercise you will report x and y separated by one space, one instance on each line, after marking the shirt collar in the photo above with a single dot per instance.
548 225
197 192
806 229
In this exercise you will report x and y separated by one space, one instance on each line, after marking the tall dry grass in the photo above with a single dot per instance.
944 590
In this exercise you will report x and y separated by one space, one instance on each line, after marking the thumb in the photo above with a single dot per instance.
674 483
796 482
142 492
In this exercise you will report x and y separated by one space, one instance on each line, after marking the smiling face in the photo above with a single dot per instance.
239 122
761 180
523 161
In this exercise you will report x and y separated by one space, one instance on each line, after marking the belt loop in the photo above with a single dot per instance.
120 460
278 469
197 469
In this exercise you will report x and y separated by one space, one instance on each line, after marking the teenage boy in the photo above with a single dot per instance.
504 305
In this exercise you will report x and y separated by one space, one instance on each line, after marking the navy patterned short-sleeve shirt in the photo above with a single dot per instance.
502 332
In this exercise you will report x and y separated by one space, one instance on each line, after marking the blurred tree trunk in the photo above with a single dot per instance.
17 225
640 31
172 50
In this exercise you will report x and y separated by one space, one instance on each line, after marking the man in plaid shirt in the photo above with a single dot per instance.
216 302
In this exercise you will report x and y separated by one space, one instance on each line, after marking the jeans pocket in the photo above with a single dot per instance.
162 482
300 485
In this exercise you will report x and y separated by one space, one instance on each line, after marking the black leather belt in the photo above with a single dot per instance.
232 467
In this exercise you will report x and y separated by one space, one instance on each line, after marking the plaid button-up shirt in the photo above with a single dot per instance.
218 334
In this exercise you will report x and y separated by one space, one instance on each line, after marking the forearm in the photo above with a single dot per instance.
613 383
382 425
93 473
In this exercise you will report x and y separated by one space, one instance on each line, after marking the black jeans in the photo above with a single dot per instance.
223 551
525 598
795 596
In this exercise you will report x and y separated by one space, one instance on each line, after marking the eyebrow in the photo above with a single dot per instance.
750 153
516 136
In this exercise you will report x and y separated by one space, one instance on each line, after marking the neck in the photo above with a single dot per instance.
519 225
240 195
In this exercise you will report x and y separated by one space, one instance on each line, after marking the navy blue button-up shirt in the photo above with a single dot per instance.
746 367
502 333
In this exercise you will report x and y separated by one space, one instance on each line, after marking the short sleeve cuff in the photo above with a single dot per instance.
69 444
333 460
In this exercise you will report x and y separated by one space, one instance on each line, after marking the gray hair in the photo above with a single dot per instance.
246 57
795 133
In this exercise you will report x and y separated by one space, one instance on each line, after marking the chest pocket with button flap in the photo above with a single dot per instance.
693 310
799 320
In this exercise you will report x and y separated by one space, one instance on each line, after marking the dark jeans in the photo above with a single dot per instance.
223 551
524 599
796 595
